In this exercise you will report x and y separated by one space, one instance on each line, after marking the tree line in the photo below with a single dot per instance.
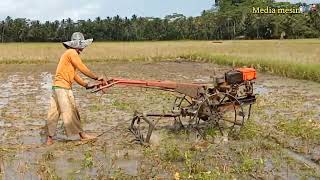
226 19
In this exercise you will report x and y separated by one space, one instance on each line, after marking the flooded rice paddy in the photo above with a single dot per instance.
281 141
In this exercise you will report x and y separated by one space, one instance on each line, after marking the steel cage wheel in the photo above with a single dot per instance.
232 113
179 103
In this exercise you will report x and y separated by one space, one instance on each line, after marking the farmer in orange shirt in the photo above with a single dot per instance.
62 100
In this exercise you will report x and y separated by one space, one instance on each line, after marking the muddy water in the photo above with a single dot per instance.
24 99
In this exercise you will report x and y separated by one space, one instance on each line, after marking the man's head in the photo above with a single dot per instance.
77 42
79 50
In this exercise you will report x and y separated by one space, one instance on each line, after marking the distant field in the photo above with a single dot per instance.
279 141
291 58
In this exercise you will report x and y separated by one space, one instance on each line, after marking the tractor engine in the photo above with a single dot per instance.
237 82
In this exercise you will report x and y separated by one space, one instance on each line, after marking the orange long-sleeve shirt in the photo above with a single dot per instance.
66 74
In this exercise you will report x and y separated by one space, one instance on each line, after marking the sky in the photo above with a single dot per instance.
84 9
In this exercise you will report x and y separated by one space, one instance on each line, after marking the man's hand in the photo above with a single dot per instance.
91 85
101 78
98 78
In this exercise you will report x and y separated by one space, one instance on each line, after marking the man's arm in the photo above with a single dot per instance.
79 80
77 62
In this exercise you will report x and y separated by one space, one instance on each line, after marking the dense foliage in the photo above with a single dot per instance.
228 19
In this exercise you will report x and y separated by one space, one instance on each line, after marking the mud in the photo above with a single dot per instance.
24 99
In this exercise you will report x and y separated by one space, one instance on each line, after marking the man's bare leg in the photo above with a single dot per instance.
49 140
84 136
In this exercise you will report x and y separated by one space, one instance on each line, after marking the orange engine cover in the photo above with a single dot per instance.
248 73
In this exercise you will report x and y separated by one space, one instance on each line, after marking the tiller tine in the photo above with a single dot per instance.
135 125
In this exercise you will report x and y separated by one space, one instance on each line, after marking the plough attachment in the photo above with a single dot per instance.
224 105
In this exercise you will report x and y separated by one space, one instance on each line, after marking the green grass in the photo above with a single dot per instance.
289 58
17 61
251 130
171 152
278 67
87 162
124 106
96 107
306 130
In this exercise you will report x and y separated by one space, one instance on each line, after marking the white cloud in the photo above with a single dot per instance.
48 10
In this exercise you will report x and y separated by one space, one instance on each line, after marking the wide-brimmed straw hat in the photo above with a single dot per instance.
77 41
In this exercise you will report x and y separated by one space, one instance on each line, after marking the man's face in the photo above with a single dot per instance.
79 51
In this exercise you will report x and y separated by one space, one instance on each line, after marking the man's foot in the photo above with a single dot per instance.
86 137
49 141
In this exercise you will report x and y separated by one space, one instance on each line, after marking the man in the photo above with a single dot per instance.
62 101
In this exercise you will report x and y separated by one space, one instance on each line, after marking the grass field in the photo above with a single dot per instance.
291 58
280 141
